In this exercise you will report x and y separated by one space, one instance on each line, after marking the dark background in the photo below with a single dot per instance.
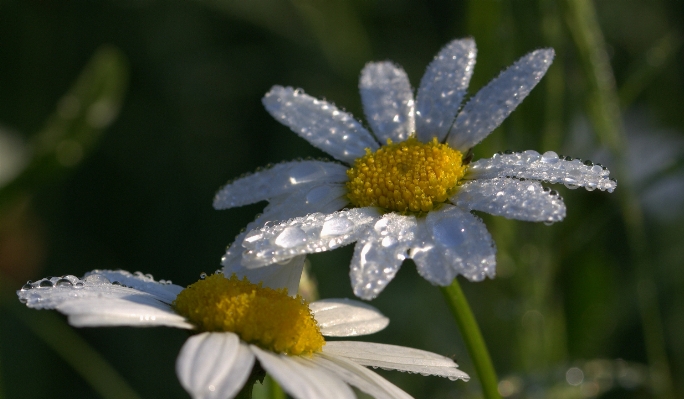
168 110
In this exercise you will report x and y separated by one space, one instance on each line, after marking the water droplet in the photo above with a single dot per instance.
553 192
588 163
548 223
508 152
337 226
568 158
27 286
45 283
116 283
78 285
63 282
203 275
549 157
291 237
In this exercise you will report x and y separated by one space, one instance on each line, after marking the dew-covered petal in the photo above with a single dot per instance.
393 357
451 241
302 379
387 101
320 123
379 252
277 180
285 274
494 102
315 198
95 301
163 290
214 365
511 198
316 232
442 89
359 376
346 318
548 167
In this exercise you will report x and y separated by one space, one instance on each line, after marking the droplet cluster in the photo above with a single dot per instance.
548 167
406 176
316 232
50 291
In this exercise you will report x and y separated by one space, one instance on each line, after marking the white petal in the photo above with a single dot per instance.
316 232
360 377
214 365
387 101
494 102
546 167
325 198
94 301
320 123
379 253
393 357
285 274
280 179
442 89
511 198
453 241
302 379
346 318
162 290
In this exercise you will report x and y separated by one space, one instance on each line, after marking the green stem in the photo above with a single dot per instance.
473 339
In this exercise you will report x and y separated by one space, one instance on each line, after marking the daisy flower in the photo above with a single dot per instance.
408 189
238 323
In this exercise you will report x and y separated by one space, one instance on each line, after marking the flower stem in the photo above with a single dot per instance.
473 339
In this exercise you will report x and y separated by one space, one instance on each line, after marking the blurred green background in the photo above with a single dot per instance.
119 120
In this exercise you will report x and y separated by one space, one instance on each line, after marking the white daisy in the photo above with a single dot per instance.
239 323
411 197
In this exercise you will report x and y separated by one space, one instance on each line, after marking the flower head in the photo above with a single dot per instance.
411 185
239 323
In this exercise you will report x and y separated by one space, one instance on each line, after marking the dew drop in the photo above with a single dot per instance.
203 275
116 283
508 152
588 163
45 284
290 237
27 287
78 285
549 157
63 282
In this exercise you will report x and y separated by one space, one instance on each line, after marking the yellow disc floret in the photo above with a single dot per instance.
265 317
407 176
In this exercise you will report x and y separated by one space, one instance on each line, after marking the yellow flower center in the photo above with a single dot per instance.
407 176
265 317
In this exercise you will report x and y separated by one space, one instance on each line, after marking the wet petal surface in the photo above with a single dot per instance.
494 102
442 89
452 241
282 178
548 167
511 198
379 253
320 123
316 232
387 101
